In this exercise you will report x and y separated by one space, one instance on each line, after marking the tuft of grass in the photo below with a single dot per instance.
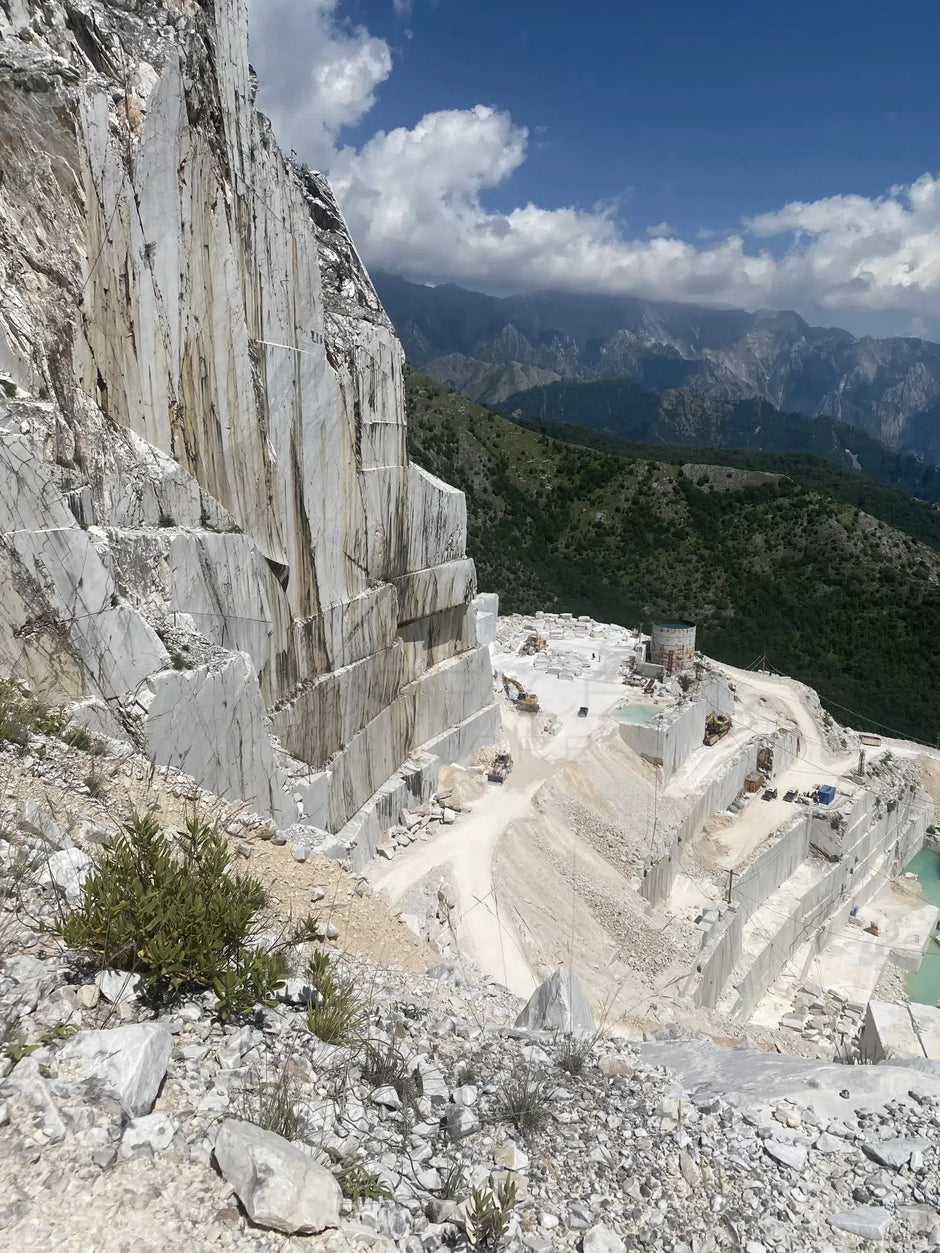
386 1068
176 914
338 1015
272 1104
524 1100
78 737
96 782
22 716
574 1053
19 863
454 1185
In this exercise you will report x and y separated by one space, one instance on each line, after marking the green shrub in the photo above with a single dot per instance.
488 1215
179 917
338 1015
22 716
356 1183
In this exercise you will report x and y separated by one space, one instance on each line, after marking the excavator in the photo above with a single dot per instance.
526 702
717 727
534 644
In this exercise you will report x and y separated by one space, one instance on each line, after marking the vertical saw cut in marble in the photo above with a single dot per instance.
208 520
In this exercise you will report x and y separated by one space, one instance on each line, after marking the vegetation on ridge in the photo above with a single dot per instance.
175 914
763 565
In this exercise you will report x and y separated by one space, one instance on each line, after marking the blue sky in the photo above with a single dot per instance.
695 113
729 153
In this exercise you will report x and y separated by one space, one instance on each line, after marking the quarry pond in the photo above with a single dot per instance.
924 986
637 713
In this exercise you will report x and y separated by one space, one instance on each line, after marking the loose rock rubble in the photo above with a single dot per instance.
826 1016
142 1132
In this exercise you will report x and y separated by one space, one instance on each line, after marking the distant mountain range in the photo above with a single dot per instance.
835 578
493 348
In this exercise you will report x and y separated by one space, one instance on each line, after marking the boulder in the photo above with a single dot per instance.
895 1153
32 982
27 1083
36 820
117 986
871 1222
132 1060
792 1155
601 1239
153 1131
460 1122
277 1183
67 871
559 1004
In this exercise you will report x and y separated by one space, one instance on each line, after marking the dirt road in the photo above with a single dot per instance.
758 694
483 933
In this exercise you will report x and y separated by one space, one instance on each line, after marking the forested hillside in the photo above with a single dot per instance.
764 565
622 408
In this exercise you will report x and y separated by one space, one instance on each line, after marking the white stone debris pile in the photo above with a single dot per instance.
151 1133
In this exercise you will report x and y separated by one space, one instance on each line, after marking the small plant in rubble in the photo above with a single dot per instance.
574 1053
489 1213
22 715
454 1185
387 1067
338 1014
355 1181
272 1103
524 1100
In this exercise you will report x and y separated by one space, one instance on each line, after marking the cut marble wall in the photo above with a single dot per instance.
207 508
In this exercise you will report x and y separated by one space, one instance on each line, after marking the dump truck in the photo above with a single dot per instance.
500 768
717 727
534 644
525 701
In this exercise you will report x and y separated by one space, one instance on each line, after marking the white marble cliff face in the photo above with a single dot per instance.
208 516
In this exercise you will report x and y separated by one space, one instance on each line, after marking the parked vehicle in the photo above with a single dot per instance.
790 795
770 794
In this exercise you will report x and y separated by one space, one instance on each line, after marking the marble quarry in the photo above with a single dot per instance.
208 519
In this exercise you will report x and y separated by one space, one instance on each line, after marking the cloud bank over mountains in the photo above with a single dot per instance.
415 200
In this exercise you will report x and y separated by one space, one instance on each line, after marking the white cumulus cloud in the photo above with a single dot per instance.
317 74
416 201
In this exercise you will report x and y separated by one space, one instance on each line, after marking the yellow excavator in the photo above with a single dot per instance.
534 644
526 702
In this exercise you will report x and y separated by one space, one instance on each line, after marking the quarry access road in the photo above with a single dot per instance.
482 927
815 763
466 851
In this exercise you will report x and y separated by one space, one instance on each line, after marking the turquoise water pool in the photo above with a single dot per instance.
924 986
636 713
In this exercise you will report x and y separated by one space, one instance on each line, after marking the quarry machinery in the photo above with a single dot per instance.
717 727
500 768
534 644
528 702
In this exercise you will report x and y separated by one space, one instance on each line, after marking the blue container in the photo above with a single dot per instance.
827 794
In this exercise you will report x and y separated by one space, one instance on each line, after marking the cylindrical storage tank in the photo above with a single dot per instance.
673 645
